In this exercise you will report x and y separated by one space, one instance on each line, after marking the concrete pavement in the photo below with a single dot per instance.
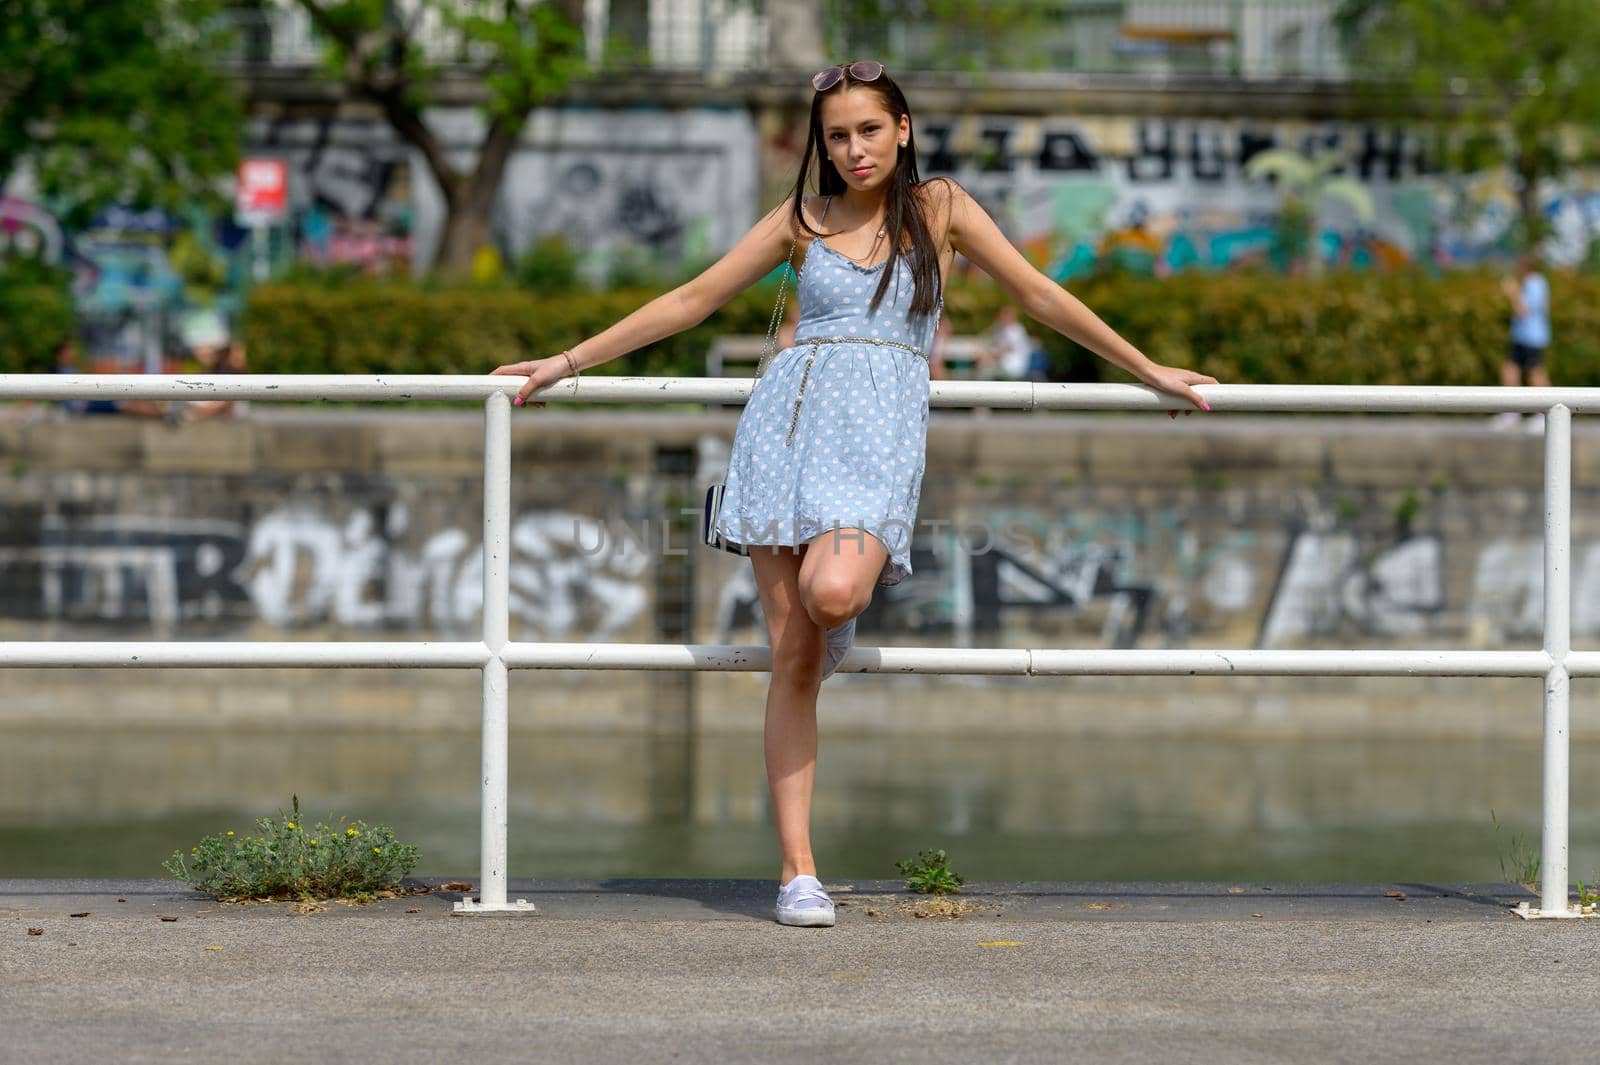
677 971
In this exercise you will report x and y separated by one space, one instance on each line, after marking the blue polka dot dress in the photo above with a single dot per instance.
835 434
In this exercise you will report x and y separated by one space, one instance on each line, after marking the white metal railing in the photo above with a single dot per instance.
496 654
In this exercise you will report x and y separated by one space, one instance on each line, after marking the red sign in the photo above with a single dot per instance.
263 192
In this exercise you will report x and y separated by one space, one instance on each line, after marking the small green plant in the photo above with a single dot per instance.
289 859
1406 511
930 874
1588 897
1523 867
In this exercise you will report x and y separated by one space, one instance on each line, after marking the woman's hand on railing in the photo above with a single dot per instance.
1176 381
541 373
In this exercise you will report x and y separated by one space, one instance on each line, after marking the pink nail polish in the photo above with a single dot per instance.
518 401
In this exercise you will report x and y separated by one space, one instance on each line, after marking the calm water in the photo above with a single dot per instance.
114 804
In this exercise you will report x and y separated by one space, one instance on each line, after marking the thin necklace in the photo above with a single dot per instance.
864 258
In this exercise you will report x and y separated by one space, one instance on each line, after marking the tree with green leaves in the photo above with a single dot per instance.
527 52
1516 75
115 102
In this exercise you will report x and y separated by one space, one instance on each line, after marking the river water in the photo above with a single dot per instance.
115 803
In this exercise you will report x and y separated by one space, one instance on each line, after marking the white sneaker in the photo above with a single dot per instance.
1505 421
802 902
840 638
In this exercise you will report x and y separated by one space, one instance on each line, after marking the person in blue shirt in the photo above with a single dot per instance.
1529 294
67 362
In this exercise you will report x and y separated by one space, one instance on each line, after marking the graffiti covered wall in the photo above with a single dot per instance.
1305 544
680 185
1165 193
350 189
1154 193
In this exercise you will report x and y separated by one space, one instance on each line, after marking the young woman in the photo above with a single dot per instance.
827 460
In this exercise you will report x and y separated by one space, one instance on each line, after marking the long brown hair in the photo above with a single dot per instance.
903 214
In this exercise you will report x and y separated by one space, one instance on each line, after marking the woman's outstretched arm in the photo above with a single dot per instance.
747 262
974 234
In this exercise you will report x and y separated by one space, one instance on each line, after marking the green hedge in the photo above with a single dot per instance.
34 320
1357 329
399 329
1378 328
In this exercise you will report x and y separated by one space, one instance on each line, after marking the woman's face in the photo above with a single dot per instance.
860 136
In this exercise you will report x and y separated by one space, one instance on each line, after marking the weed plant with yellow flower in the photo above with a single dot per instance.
287 859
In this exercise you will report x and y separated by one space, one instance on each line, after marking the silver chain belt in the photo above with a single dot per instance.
816 342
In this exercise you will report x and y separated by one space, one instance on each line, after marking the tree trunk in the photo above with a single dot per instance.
470 209
465 231
1533 222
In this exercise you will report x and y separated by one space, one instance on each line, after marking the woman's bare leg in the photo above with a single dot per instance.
791 722
804 592
838 573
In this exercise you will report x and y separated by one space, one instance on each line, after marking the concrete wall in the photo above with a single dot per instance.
1034 531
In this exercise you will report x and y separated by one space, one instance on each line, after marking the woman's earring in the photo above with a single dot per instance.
902 144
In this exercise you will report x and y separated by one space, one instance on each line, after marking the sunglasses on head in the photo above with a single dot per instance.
861 70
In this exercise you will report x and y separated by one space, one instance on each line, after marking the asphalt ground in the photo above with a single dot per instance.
696 970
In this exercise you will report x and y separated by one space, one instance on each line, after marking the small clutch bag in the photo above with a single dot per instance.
708 531
708 524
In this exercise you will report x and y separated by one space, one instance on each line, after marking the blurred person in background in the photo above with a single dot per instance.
1529 295
1012 354
67 361
68 356
222 358
826 468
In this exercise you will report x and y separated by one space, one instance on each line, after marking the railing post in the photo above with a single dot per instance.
492 814
1553 900
496 633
